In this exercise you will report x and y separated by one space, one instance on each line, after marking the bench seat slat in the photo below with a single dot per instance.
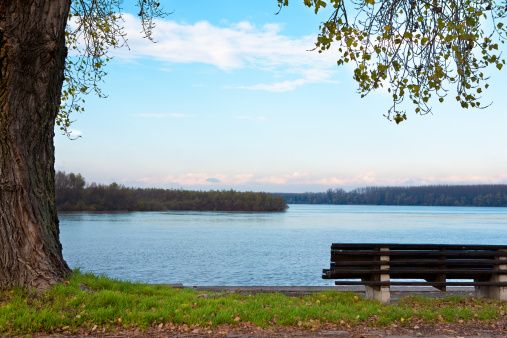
438 284
415 271
422 262
337 254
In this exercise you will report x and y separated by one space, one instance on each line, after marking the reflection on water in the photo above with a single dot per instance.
291 248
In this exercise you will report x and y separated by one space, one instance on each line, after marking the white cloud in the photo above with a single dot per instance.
75 133
243 178
239 45
184 179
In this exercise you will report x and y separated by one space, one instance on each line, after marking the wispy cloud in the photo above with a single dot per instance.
185 179
309 182
309 76
235 46
284 86
250 118
161 116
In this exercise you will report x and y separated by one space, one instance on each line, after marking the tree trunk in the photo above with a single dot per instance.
32 61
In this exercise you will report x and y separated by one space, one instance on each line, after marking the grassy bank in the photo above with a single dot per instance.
100 304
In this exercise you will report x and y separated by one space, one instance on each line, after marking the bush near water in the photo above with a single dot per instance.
73 194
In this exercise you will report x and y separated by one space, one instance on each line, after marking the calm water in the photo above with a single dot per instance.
291 248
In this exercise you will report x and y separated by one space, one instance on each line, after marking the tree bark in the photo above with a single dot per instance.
32 61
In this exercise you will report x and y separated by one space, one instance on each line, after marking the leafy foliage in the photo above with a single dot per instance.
415 48
94 27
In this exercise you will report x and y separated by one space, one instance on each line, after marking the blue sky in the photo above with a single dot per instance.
231 97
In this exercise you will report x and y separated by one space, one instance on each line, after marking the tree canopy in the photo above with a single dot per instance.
416 48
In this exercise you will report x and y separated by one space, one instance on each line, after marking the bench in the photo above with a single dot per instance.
378 264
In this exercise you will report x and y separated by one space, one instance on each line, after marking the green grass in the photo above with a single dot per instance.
116 304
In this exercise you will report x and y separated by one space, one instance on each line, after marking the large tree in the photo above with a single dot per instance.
53 51
32 60
34 64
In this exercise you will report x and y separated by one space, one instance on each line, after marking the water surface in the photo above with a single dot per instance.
279 249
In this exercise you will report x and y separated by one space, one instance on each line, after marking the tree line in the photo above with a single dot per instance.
494 195
74 194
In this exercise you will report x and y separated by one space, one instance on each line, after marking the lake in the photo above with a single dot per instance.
248 249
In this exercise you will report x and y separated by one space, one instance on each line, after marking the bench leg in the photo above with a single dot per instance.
380 293
481 291
495 292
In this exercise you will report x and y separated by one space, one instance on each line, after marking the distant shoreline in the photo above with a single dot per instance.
484 195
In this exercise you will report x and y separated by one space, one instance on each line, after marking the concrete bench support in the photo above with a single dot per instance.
380 293
495 292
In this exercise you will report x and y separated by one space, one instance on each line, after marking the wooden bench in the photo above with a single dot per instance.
378 264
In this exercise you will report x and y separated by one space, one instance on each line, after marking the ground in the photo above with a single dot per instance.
244 330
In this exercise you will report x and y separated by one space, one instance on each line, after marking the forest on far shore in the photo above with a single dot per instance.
73 194
490 195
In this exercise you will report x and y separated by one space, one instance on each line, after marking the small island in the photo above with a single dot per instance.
73 194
